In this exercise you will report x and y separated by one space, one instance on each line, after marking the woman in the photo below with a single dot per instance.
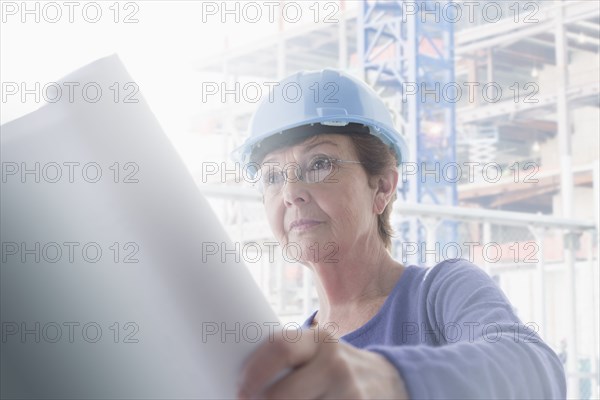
326 159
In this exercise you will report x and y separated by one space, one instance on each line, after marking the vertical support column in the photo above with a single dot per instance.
540 312
450 233
596 190
572 358
343 39
594 313
361 39
281 47
566 190
412 125
593 235
562 112
490 65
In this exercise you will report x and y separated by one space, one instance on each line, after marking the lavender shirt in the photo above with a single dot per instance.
452 334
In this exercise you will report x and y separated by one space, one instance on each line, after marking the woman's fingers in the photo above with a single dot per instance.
274 357
308 381
313 367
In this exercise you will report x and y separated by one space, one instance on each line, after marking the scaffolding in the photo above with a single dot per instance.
407 58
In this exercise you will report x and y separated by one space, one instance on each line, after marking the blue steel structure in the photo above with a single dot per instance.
406 51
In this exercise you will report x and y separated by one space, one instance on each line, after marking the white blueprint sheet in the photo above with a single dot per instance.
160 319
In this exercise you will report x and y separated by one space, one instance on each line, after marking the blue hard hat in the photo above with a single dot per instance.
328 97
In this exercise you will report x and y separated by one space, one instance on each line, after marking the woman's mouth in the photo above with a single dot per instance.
301 225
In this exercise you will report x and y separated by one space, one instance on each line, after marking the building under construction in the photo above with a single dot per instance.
499 102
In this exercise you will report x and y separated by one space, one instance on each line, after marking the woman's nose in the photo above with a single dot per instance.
294 192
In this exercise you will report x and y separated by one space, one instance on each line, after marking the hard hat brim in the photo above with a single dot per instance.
386 134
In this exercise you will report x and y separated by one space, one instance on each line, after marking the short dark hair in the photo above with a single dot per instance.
375 157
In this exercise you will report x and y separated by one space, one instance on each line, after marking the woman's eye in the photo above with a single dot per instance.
320 164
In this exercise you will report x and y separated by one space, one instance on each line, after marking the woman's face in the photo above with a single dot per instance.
327 219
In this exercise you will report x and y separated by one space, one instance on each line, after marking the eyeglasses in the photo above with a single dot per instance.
272 178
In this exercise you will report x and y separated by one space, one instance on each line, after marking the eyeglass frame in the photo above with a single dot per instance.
300 176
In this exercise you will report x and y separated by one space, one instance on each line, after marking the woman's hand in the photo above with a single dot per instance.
319 367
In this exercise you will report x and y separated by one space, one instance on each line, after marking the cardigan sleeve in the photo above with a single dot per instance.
484 351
